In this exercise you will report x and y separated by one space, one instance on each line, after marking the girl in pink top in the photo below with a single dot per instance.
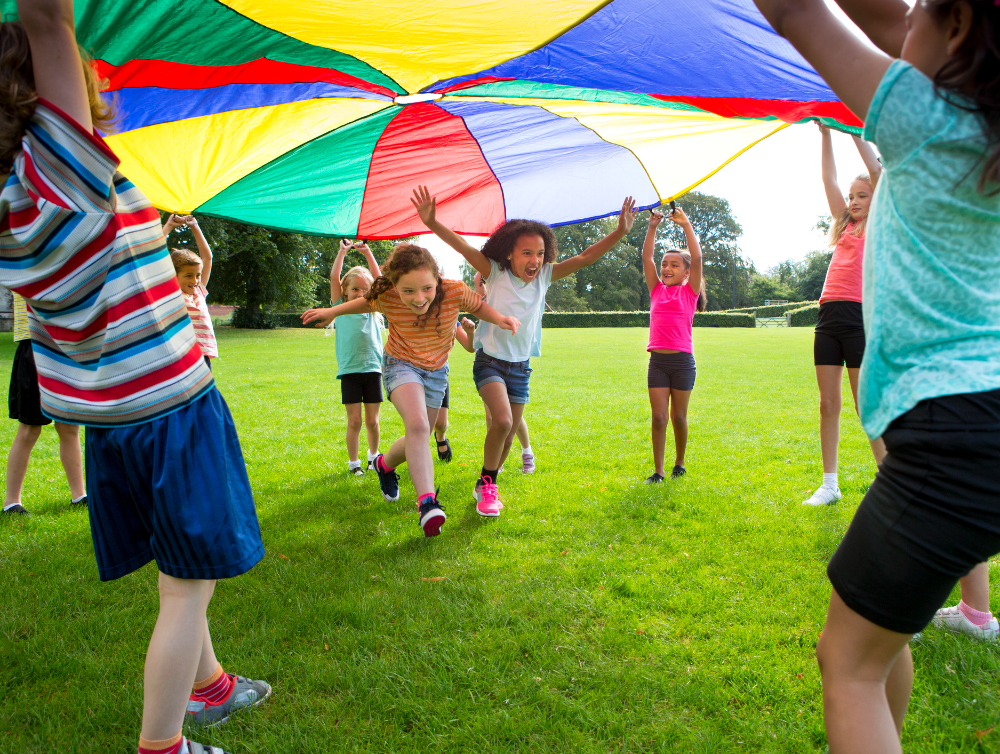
676 290
840 333
193 271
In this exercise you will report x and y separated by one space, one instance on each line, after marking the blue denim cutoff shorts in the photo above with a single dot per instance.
514 374
396 372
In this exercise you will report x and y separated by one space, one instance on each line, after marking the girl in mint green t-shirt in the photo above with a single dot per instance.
359 355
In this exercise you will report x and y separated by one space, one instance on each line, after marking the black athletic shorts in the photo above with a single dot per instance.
673 370
361 387
447 394
840 335
931 515
24 403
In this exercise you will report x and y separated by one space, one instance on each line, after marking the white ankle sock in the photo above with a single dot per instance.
830 480
372 456
354 464
527 451
78 499
11 505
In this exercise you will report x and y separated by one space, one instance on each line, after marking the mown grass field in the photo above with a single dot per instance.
597 615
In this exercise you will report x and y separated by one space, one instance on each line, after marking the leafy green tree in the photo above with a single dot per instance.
561 296
764 288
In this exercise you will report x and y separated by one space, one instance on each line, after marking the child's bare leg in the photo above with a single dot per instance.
659 402
353 436
17 461
71 457
413 448
679 400
207 662
516 412
829 378
522 433
976 588
174 655
441 425
878 444
867 679
494 395
372 428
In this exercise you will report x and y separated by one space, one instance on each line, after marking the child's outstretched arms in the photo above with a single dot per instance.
648 247
869 158
323 317
882 21
204 250
834 196
338 266
851 68
488 314
426 207
694 248
590 255
373 267
55 57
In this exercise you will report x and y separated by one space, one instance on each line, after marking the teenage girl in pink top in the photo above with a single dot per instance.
840 331
676 290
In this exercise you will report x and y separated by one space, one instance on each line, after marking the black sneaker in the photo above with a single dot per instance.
444 449
654 479
388 481
432 517
677 472
16 510
82 501
356 471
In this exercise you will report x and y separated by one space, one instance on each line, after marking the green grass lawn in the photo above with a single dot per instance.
597 615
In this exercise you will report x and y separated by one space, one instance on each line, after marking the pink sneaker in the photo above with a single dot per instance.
488 498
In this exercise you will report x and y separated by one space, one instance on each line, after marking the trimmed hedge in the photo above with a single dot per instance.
773 311
806 316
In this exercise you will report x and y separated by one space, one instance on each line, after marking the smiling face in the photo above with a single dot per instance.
673 271
417 289
189 278
859 200
355 288
527 257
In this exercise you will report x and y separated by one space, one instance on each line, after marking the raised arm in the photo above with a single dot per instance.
323 317
694 248
204 250
426 207
834 197
55 57
851 68
168 227
882 21
870 160
464 331
591 254
336 292
373 267
648 248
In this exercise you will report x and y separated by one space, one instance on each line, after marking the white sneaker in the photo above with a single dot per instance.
954 620
824 496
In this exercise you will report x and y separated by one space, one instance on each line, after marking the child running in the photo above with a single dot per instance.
518 263
930 379
840 331
24 405
115 351
422 310
676 290
193 272
359 354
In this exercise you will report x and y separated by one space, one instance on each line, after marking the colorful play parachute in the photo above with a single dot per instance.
321 116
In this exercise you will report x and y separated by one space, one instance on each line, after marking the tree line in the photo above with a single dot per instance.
262 270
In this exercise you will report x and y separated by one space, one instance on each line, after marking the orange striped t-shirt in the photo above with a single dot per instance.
425 345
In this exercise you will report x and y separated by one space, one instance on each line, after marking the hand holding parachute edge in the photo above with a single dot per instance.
627 216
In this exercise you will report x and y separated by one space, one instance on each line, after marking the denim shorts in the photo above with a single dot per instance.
514 374
396 372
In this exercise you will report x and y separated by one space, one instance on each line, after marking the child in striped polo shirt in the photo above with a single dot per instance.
422 311
115 351
193 271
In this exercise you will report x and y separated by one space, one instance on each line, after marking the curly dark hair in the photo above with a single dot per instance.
974 73
407 257
500 245
18 96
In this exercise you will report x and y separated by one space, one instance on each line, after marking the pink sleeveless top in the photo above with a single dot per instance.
843 279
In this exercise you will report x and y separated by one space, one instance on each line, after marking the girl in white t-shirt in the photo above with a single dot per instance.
518 263
193 271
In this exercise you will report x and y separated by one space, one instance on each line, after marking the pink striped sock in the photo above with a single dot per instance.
975 617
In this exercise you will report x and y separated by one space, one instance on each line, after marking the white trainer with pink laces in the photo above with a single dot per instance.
954 619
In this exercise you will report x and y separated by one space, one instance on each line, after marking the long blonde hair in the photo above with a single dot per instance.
840 223
351 275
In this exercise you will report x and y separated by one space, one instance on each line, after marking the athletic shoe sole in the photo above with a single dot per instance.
432 521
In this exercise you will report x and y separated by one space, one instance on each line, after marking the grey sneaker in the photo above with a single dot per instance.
527 463
193 747
16 510
245 693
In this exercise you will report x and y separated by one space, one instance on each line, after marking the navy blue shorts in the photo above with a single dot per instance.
174 490
515 375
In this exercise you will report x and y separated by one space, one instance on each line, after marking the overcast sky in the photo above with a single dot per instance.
775 190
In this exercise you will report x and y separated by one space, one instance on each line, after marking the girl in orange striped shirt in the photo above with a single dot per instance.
422 309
